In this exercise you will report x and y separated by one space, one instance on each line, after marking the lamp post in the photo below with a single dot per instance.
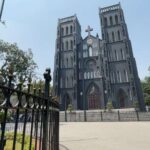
105 98
84 106
1 11
66 109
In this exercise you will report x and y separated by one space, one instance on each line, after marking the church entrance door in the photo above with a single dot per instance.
121 98
93 98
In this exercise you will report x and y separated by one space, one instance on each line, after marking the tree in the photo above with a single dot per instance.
146 90
109 106
15 60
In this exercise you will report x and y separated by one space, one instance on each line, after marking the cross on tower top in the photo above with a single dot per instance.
89 29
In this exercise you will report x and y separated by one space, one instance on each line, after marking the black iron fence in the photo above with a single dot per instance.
28 121
104 116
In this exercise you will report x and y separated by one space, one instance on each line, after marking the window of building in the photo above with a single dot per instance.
72 61
116 56
90 51
67 62
126 76
67 82
62 31
120 77
103 36
107 36
85 75
62 45
111 20
72 80
123 31
105 21
66 30
71 30
66 45
71 43
116 19
113 37
122 54
119 37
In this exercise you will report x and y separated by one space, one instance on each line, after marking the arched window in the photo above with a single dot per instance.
62 31
67 62
105 21
107 37
62 45
67 82
70 29
66 45
116 55
90 51
66 30
122 54
116 19
119 38
111 21
113 37
72 61
71 44
85 75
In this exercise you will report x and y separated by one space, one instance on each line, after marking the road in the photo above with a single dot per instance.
105 136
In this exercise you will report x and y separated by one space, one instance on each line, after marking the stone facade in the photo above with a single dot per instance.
90 71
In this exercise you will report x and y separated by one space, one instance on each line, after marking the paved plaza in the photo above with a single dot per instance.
105 136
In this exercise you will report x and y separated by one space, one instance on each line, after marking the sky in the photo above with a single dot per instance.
33 24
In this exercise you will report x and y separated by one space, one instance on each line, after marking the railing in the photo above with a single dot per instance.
104 116
28 121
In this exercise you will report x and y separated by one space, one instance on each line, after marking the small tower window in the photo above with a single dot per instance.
116 19
71 43
113 37
105 21
119 37
67 62
62 45
111 21
107 37
70 29
62 31
66 45
66 30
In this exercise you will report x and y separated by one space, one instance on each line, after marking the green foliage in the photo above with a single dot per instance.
2 116
10 136
109 105
70 108
146 90
15 60
136 104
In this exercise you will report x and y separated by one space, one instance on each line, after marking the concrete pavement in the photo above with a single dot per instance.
105 136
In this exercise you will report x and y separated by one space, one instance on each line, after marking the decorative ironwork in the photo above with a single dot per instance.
33 115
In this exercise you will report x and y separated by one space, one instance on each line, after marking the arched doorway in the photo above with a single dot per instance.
66 101
93 97
121 98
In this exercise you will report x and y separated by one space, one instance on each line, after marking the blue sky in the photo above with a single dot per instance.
32 24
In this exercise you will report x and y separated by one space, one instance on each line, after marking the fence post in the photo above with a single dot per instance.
7 104
101 116
118 115
47 78
137 114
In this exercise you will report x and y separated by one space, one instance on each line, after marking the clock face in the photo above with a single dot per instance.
90 41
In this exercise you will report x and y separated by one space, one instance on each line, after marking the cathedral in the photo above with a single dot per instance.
89 72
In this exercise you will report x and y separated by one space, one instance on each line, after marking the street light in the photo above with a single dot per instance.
105 97
84 105
1 11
